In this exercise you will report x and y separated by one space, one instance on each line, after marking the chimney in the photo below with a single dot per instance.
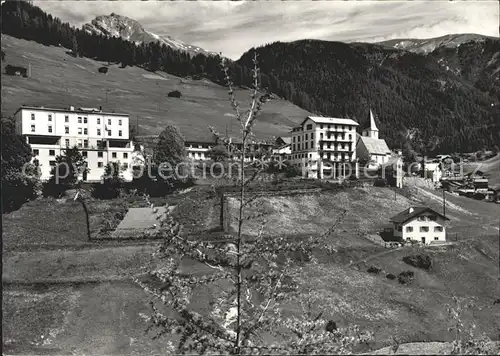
410 210
100 108
71 108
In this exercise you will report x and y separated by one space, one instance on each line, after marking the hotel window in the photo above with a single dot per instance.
66 118
52 152
432 217
438 228
50 129
84 120
125 166
321 126
120 133
312 136
79 119
109 132
32 116
436 238
32 128
125 155
50 117
52 163
67 142
66 129
421 218
98 132
99 154
79 130
109 121
85 132
293 138
309 127
99 164
350 137
306 137
35 152
80 143
424 228
120 122
113 155
84 154
98 121
305 146
409 229
85 143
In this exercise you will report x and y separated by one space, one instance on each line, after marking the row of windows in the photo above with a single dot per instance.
303 146
329 136
36 152
306 146
80 119
427 218
99 164
81 131
335 127
422 229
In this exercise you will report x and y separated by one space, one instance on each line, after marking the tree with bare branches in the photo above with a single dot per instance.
254 279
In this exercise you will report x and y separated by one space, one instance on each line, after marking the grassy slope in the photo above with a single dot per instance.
105 317
60 80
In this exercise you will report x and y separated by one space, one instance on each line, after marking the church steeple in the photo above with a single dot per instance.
373 130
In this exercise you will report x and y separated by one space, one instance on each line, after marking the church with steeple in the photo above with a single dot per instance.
370 148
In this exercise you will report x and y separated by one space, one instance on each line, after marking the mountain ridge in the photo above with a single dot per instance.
428 45
115 25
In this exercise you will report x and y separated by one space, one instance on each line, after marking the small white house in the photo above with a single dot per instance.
420 224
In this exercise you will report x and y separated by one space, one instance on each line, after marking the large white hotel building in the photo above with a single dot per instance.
102 137
325 147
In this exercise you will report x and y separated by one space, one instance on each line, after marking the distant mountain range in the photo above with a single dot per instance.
427 45
115 25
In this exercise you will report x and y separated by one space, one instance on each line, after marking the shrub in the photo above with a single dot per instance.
112 183
374 269
379 182
291 171
419 261
174 94
390 276
405 277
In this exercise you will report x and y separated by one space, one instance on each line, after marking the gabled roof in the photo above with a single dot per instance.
375 146
330 120
405 215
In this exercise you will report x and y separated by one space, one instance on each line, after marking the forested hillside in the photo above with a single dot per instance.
404 89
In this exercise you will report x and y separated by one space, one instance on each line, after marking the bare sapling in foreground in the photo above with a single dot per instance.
256 306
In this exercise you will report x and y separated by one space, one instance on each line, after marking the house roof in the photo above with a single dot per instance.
76 110
375 145
286 140
405 215
330 120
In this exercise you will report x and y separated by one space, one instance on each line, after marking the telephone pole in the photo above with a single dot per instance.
444 203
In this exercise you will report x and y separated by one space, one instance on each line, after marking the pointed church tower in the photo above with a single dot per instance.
373 130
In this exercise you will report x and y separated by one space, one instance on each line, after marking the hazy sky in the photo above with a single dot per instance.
234 27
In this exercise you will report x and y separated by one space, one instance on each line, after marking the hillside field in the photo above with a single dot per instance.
79 296
60 80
